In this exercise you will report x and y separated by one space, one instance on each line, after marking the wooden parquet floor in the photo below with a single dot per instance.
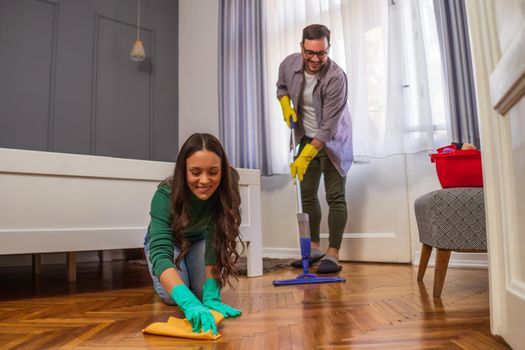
381 306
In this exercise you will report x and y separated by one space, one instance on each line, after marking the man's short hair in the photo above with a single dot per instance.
316 31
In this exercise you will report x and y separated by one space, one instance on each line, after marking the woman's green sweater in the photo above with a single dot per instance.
160 232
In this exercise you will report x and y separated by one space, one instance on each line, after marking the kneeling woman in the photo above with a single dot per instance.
191 241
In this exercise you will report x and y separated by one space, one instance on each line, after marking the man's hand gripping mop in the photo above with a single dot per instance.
304 233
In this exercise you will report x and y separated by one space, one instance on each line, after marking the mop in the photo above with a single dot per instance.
304 236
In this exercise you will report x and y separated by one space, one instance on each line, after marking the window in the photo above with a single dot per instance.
390 52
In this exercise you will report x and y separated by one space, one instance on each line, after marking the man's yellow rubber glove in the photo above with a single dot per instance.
288 111
299 166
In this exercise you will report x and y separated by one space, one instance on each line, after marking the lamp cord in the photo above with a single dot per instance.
138 19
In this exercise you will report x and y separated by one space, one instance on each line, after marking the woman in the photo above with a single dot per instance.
191 241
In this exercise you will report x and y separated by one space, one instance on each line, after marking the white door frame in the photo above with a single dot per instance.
496 96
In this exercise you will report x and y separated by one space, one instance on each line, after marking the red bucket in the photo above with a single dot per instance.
458 168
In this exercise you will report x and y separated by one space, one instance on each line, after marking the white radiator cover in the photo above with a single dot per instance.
58 202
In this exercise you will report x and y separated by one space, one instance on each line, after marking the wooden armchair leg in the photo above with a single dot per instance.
442 258
426 250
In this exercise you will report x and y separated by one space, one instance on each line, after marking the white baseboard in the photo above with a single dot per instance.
463 260
273 252
466 260
282 253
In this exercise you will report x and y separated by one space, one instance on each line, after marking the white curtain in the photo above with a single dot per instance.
390 52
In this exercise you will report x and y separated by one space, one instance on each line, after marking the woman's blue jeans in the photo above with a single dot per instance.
191 270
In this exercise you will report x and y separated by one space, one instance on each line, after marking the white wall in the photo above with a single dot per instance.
198 73
377 228
198 37
370 204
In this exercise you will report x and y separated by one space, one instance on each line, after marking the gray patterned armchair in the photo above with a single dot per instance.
451 219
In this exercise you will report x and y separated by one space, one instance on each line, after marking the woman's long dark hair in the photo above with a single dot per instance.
226 216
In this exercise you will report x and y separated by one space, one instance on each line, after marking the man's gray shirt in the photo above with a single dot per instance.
330 103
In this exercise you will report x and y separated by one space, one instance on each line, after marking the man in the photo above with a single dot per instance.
317 87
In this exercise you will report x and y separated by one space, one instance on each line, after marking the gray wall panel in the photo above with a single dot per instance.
27 35
122 119
166 126
72 122
67 83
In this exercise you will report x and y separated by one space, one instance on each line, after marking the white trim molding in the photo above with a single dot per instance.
457 259
282 253
507 81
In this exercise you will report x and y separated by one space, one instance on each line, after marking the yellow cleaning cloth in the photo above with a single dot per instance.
181 327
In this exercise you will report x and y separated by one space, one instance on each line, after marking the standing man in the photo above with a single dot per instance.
317 87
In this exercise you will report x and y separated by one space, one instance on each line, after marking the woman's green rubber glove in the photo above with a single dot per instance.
211 297
199 316
299 166
288 111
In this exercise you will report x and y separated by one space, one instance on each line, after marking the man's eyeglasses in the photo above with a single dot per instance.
319 54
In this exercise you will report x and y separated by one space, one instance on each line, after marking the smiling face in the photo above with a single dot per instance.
203 173
315 54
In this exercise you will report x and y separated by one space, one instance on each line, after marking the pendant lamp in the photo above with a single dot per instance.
137 52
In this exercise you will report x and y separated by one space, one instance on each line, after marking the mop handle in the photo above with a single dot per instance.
297 182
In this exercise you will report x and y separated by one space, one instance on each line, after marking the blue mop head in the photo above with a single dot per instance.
308 278
305 277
